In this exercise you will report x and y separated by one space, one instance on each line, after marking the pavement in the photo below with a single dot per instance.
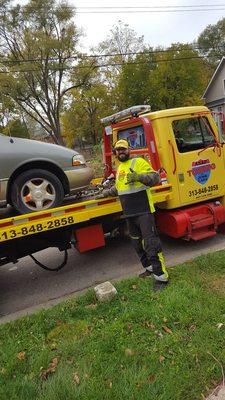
219 395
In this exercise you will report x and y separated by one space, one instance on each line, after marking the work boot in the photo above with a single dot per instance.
159 285
145 274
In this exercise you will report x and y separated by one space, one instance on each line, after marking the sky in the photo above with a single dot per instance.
159 28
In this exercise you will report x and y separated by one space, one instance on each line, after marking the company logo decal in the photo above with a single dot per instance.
121 175
201 170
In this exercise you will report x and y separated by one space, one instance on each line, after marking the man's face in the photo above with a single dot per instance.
122 154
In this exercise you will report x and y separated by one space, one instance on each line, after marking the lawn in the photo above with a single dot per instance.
168 345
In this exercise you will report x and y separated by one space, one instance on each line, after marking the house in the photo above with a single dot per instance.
214 95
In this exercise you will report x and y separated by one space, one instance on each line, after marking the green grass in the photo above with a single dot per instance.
140 345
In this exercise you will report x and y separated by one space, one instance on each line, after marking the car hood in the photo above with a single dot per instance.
42 147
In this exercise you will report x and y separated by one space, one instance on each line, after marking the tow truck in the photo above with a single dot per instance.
183 144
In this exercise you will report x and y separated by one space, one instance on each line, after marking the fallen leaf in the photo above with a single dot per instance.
149 325
50 370
165 319
129 327
3 371
161 358
151 378
134 287
58 322
110 385
220 325
159 334
70 360
139 384
192 328
53 364
129 352
166 329
21 356
76 378
91 306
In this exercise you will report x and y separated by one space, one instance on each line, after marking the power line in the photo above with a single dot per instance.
164 7
147 52
110 64
150 11
145 9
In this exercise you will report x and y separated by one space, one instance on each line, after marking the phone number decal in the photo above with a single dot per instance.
57 223
204 190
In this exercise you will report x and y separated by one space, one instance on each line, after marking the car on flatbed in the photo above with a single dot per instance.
35 176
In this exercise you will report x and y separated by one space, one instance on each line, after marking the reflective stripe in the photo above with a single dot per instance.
161 278
162 261
132 190
139 166
133 162
135 237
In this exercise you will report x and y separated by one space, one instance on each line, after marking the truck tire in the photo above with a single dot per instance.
36 190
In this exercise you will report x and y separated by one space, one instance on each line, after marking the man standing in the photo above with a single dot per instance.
134 178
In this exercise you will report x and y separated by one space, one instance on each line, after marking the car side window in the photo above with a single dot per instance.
192 134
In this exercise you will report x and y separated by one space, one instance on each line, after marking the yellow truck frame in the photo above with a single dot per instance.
190 202
81 224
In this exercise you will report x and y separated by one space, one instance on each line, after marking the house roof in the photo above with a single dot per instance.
220 65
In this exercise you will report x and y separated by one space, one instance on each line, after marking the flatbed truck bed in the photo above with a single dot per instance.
82 223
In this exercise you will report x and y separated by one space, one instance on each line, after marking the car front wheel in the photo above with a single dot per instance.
36 190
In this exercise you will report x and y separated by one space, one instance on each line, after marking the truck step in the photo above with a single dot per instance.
198 235
201 220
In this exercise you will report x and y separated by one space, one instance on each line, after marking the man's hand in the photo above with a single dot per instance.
100 196
132 176
104 193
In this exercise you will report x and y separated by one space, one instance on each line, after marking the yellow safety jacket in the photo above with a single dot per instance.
135 198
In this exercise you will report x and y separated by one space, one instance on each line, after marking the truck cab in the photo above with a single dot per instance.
184 143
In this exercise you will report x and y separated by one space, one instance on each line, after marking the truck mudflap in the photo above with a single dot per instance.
196 223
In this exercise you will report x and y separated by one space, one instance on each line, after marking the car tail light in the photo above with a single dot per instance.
77 160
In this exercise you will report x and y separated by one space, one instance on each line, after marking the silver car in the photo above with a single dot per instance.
35 176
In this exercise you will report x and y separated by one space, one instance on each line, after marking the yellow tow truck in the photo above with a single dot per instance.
183 144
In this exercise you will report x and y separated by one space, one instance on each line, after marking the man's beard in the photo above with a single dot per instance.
124 158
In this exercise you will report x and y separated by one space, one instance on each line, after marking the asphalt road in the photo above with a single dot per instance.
25 287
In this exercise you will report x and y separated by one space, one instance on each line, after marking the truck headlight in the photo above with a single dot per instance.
77 160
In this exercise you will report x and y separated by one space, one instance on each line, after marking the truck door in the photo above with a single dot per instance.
198 160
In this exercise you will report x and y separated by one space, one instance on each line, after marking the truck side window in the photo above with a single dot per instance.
192 134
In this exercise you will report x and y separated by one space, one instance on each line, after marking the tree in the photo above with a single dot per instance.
121 42
16 128
211 42
38 43
116 49
82 120
179 78
133 87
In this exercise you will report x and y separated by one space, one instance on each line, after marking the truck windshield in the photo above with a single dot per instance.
135 136
192 134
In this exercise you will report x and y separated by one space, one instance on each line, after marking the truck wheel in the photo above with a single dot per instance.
36 190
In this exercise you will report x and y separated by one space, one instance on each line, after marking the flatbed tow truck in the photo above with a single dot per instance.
183 144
